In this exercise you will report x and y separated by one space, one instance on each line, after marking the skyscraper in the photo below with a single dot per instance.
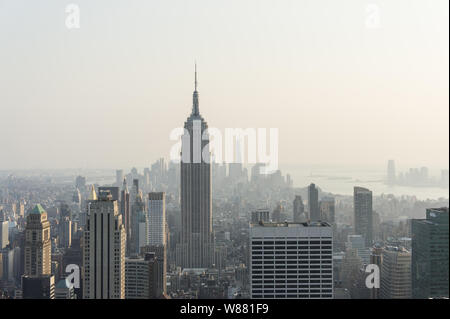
313 203
327 209
395 273
362 204
4 241
196 205
104 250
119 177
139 226
37 243
299 210
430 254
125 208
137 278
65 226
157 218
291 260
391 172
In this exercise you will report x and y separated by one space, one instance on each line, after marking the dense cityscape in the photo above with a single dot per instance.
224 158
195 230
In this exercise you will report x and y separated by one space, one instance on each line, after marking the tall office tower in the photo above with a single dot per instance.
64 210
37 243
157 257
92 195
391 178
114 190
276 214
4 233
125 208
376 258
313 203
395 275
260 215
139 226
65 232
65 226
358 243
430 254
299 210
157 218
21 209
134 189
119 177
197 242
137 278
255 175
363 213
146 178
104 250
7 266
327 209
291 260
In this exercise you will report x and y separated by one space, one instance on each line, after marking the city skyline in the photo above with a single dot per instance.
315 166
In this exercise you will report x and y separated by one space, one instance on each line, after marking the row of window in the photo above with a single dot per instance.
306 296
293 247
292 242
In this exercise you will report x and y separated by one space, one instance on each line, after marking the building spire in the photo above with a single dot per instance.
195 109
195 76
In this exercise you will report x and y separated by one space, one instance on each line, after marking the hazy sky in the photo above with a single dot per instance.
108 94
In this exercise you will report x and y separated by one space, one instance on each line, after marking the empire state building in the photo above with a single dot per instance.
196 249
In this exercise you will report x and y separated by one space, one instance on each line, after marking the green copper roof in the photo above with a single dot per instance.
37 209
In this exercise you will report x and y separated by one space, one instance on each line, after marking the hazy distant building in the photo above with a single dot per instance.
291 260
260 215
37 250
4 233
114 190
139 226
430 267
197 243
391 175
104 250
125 208
277 213
298 210
357 242
313 203
327 209
119 177
363 218
80 183
395 275
65 232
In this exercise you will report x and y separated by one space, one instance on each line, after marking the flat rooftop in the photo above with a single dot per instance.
290 224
